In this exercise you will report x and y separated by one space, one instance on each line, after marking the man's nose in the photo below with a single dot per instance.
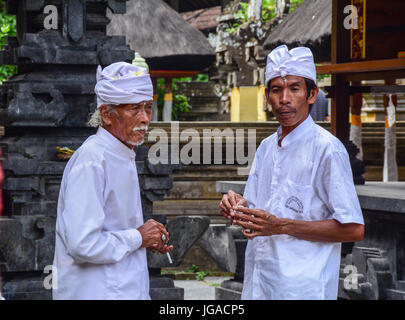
143 116
285 96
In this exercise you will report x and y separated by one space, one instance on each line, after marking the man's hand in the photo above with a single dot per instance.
229 203
259 222
163 248
151 233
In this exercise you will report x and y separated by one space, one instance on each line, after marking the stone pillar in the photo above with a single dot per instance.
282 8
255 10
390 169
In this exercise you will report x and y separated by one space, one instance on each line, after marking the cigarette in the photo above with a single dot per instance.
169 257
167 253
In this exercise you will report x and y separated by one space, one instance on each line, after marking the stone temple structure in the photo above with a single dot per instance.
47 105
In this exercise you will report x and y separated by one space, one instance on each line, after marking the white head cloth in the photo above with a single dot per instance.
122 82
282 62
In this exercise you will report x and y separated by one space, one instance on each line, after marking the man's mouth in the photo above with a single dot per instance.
285 114
142 130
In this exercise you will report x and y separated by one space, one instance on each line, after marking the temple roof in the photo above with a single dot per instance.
310 25
162 36
203 19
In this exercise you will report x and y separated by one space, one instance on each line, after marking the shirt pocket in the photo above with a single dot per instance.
296 200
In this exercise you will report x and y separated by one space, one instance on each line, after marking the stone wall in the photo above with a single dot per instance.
204 102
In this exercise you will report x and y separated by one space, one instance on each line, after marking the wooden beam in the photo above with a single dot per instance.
340 53
340 38
362 66
352 90
340 106
378 75
172 73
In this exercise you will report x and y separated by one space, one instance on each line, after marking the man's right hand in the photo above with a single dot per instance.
151 233
229 202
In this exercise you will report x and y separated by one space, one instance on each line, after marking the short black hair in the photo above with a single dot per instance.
311 85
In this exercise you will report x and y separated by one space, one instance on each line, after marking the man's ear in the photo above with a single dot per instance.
105 115
314 94
266 93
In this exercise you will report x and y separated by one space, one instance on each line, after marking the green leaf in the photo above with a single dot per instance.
5 28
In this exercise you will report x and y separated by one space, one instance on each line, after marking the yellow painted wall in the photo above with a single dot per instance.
235 105
247 104
366 117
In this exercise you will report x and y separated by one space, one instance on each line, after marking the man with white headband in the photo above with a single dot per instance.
300 202
101 238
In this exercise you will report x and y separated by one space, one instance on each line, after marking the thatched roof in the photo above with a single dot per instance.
203 19
161 36
310 25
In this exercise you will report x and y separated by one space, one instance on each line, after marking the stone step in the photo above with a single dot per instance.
375 173
187 207
207 173
393 294
190 190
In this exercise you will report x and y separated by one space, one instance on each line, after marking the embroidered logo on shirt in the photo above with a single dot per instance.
294 204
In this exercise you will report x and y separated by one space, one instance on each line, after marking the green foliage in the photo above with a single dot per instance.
213 284
268 13
193 268
201 275
202 77
269 10
320 77
180 102
8 27
242 14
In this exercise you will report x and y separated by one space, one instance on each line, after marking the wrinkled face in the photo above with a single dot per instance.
288 99
128 122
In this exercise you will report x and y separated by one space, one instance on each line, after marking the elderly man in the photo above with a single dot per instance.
300 202
101 239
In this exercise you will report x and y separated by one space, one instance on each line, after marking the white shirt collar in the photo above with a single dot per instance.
297 133
115 144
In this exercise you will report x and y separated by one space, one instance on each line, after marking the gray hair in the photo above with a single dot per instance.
95 118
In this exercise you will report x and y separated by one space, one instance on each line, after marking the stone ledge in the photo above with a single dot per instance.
378 196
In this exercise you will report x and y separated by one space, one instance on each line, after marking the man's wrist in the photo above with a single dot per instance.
284 225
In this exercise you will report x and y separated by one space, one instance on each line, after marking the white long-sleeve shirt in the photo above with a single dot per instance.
308 178
98 252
